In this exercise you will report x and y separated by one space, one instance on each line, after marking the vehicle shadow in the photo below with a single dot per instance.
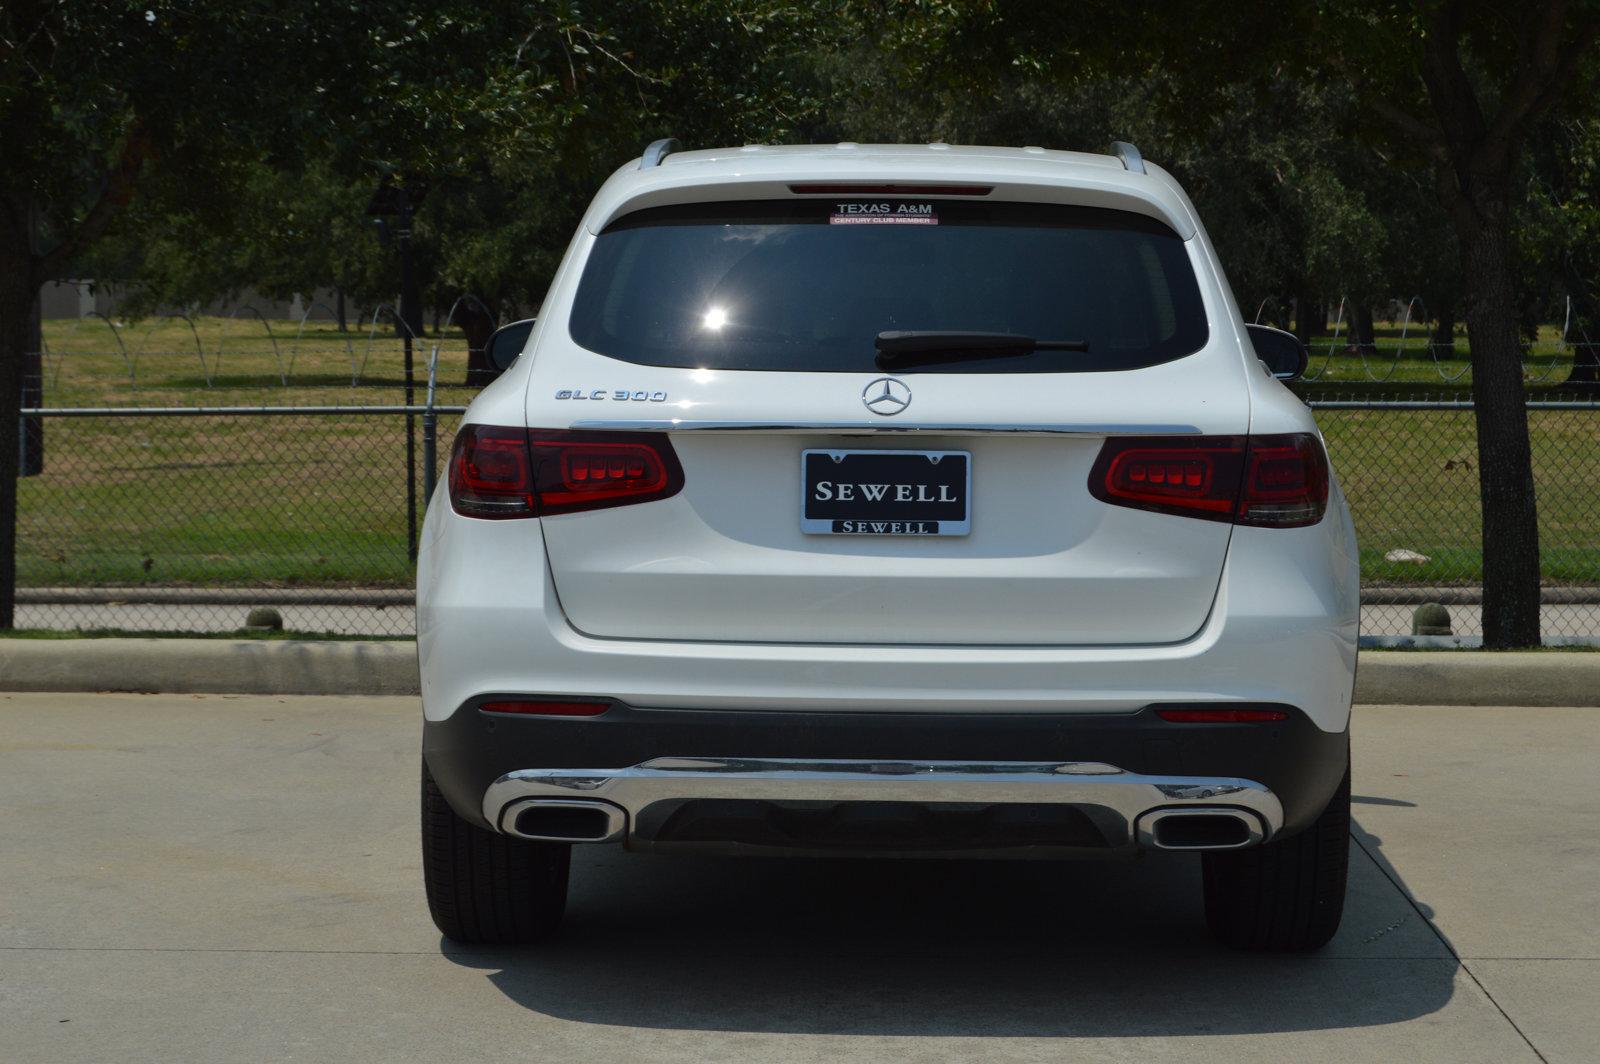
988 948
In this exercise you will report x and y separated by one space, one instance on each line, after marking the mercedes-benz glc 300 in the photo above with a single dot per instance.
888 499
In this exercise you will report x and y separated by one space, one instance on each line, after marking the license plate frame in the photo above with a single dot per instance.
929 510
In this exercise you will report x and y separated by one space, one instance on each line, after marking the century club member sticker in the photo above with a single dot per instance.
883 214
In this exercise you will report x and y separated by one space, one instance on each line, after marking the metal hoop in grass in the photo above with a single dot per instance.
1327 360
471 300
1433 351
277 356
115 335
53 360
294 351
1563 347
1394 360
1405 330
372 333
1549 367
199 351
1262 306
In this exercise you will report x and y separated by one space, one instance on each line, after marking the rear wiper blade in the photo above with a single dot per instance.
900 349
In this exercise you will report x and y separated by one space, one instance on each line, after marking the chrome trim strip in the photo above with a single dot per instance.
1115 800
1132 161
879 427
657 151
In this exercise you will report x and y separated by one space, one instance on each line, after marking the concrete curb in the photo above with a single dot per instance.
1478 678
304 667
210 666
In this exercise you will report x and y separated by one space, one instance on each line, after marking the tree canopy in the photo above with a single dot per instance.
1337 148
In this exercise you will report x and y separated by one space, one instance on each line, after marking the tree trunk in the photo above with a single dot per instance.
1310 317
1361 327
1443 339
479 325
18 290
1505 464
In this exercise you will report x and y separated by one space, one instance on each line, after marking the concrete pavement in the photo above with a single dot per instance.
235 878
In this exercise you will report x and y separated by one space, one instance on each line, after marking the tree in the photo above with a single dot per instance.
101 101
1455 85
222 143
1463 83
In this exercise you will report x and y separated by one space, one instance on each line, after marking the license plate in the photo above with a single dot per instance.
885 493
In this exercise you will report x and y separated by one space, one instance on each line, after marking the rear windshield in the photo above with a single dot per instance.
809 284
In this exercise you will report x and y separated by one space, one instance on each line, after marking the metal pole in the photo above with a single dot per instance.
430 425
410 314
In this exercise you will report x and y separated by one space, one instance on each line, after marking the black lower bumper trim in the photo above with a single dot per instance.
1299 762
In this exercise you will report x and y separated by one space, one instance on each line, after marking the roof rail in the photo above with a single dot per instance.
660 149
1132 161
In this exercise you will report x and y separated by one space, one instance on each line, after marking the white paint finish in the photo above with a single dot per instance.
488 620
1045 562
767 173
1054 603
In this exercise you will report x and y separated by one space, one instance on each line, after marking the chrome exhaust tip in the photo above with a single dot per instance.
1199 828
564 820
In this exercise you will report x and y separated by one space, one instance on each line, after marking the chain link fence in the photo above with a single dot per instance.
1410 471
182 519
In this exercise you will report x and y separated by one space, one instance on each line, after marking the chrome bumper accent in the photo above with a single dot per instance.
1115 800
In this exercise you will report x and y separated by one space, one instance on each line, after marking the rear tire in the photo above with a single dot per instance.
487 888
1284 896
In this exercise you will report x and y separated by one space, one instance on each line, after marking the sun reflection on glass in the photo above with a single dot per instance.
715 318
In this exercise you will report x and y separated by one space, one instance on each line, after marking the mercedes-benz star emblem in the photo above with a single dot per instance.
886 396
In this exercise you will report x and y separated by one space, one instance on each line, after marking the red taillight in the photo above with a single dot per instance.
490 473
1273 481
502 472
1226 715
545 708
1197 477
1285 482
589 471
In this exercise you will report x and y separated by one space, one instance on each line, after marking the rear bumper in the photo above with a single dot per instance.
1001 782
1010 808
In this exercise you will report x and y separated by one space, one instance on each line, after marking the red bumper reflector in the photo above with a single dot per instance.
544 708
1221 716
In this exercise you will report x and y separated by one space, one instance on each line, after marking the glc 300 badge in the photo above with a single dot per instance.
621 395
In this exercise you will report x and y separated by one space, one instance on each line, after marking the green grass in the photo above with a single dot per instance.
320 501
1412 480
1404 364
261 501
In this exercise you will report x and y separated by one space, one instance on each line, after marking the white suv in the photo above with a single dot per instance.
887 499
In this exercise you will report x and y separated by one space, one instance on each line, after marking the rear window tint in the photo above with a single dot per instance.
807 285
